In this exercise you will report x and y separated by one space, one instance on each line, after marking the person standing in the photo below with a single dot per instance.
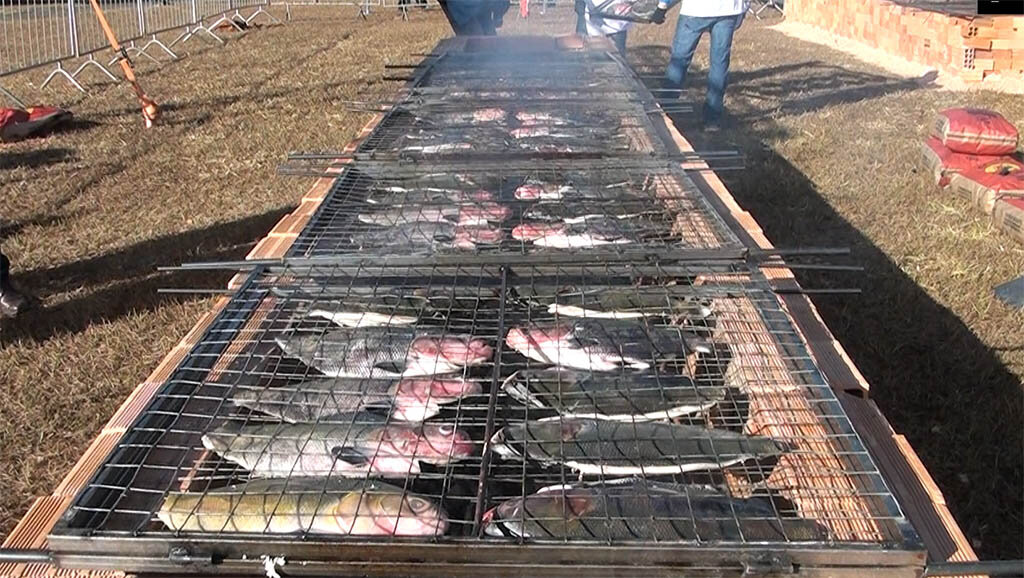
580 7
12 301
475 17
720 18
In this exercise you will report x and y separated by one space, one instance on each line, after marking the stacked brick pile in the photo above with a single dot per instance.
971 48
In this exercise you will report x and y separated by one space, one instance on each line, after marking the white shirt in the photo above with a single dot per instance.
604 27
708 8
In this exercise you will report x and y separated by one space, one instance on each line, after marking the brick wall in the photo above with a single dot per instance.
969 47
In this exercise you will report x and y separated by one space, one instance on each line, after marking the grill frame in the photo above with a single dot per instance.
129 552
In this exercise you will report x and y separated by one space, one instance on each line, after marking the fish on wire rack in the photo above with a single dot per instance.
354 445
637 509
591 209
387 351
333 506
592 232
400 197
355 306
605 344
319 400
540 131
492 115
423 236
618 397
678 303
469 214
593 446
536 190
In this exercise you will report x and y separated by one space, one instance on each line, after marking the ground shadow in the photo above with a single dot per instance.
126 281
936 382
35 159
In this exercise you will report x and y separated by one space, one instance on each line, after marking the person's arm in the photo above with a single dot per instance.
658 17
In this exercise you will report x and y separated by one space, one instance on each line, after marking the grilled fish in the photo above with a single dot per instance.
614 448
533 190
636 509
603 345
466 214
410 399
383 351
591 232
473 117
671 301
398 197
440 148
630 397
335 506
354 445
419 236
591 209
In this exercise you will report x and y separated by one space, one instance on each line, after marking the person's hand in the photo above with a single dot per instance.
658 17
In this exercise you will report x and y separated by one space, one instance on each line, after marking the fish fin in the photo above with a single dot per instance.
349 455
390 367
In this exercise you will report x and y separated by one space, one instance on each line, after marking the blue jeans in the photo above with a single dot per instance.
688 33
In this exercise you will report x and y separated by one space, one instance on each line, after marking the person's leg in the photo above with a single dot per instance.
581 19
12 302
718 75
684 44
619 39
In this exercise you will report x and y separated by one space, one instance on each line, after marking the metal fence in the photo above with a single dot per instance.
66 35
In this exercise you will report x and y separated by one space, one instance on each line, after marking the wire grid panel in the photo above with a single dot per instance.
124 16
251 436
206 9
165 15
567 208
612 387
34 34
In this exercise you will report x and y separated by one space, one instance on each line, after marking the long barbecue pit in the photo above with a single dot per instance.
543 352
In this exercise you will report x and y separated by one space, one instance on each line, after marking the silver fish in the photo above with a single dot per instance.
614 448
409 399
639 510
605 344
419 236
672 301
334 506
357 445
384 351
590 232
629 397
469 214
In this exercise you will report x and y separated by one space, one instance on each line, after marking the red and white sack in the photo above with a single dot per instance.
1001 178
16 124
976 131
943 163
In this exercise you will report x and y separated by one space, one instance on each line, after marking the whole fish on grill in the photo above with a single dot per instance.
355 306
474 117
604 344
319 400
423 236
570 189
541 131
438 148
384 351
469 214
398 197
350 446
592 232
334 506
619 397
641 510
614 448
593 209
678 303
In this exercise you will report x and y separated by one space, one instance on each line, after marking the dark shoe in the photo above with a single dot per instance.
12 302
712 126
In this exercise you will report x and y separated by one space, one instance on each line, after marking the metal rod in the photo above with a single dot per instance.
802 291
492 403
989 567
18 556
801 251
814 267
192 290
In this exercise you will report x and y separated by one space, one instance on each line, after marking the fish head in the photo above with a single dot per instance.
457 351
536 191
470 237
481 195
549 512
534 231
527 338
389 513
424 391
443 442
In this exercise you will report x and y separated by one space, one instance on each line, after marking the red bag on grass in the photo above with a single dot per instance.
1001 178
16 124
976 131
943 163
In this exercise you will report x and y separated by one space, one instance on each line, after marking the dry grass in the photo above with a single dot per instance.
831 149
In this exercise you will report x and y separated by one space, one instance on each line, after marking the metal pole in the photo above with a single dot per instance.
17 556
989 567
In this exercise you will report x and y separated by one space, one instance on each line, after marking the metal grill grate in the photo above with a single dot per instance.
484 210
241 358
